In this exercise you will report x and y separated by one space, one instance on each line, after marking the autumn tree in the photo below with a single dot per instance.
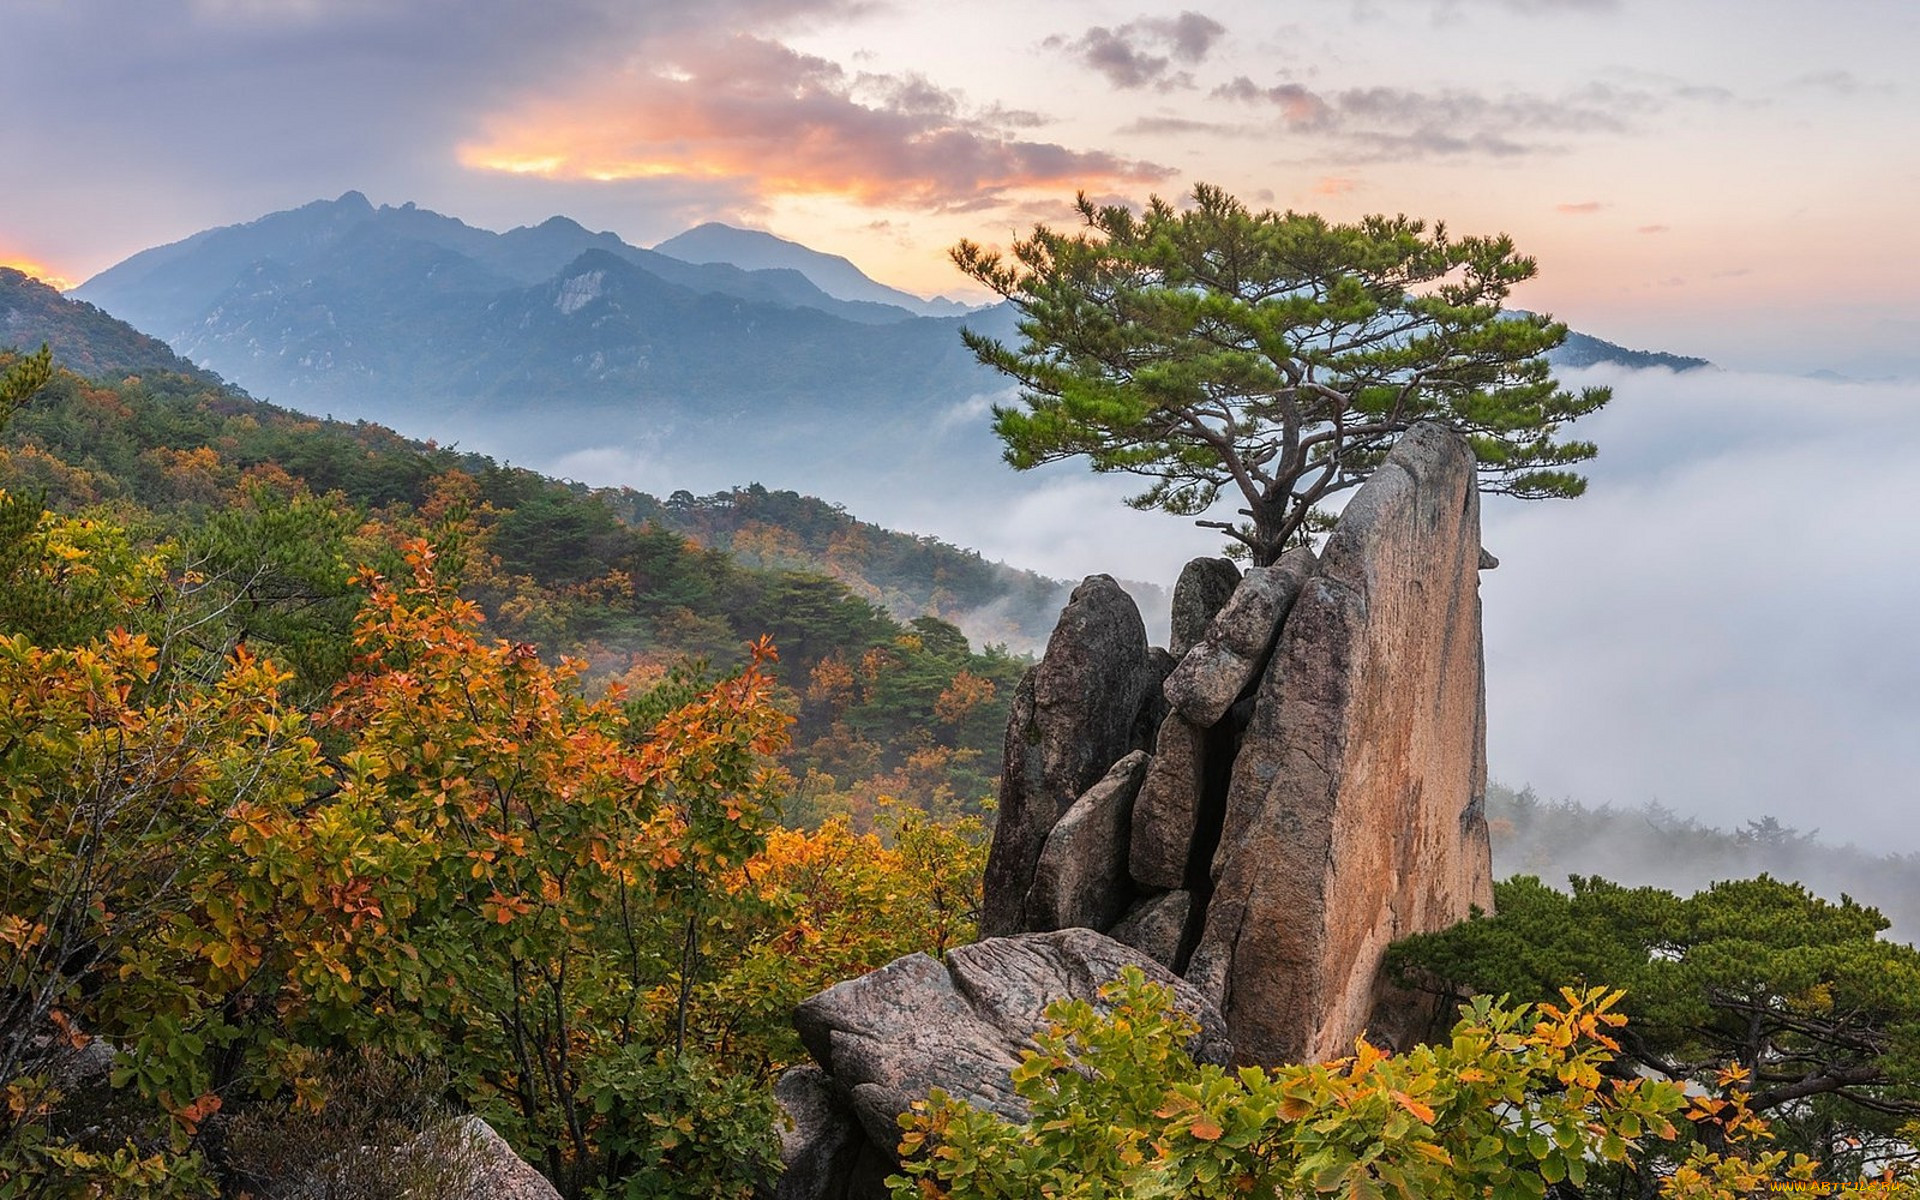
1273 356
484 867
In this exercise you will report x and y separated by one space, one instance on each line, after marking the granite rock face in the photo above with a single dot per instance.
1074 715
500 1174
460 1159
1081 878
1166 812
819 1142
1204 587
1359 819
1234 649
889 1037
1157 926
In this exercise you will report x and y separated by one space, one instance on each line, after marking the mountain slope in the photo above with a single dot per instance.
84 339
833 274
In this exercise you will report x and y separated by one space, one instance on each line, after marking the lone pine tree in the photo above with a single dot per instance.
1276 355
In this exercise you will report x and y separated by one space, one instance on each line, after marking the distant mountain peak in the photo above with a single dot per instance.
759 250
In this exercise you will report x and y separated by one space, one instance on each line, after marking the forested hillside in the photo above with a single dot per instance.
906 575
89 342
248 490
300 856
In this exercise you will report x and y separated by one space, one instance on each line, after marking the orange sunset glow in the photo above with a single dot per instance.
784 124
37 269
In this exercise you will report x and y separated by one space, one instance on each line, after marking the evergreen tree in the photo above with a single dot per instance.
1275 355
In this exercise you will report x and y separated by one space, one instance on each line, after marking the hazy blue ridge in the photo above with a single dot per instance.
84 339
833 274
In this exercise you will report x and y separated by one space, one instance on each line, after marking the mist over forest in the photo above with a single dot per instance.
1707 628
1657 846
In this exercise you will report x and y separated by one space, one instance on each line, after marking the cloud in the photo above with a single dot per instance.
1838 82
1654 229
1717 624
36 269
751 110
1368 8
1559 6
1154 126
1400 123
218 110
1582 209
1335 185
1142 53
1299 107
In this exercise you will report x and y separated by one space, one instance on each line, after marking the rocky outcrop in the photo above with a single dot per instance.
1313 792
888 1038
1081 878
1204 587
819 1143
1157 927
1074 715
1359 819
497 1172
459 1159
1167 811
1231 654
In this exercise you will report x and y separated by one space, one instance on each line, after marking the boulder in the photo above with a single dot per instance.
1229 657
1165 812
1204 587
459 1159
1153 699
820 1143
1354 812
889 1037
498 1173
1074 715
1081 877
1156 927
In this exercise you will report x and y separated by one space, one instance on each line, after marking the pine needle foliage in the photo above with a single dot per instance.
1276 357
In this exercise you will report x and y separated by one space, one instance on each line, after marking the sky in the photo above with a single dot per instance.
1726 178
1728 623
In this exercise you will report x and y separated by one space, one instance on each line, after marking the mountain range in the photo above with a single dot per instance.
576 353
757 250
342 306
392 312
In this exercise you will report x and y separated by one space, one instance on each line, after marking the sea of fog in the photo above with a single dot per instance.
1728 623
